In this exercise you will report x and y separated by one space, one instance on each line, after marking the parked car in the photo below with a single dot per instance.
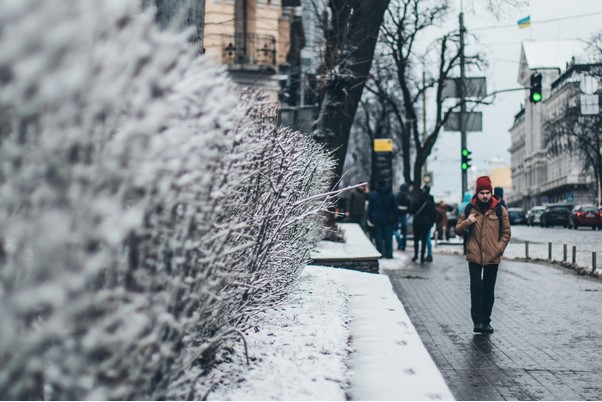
517 216
534 215
585 215
556 214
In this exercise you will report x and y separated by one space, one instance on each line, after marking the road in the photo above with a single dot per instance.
585 238
585 241
548 329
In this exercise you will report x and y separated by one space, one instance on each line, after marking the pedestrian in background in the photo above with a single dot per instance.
403 205
487 231
465 201
442 220
499 193
429 236
424 217
382 214
356 206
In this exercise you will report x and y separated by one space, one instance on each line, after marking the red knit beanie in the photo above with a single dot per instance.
484 183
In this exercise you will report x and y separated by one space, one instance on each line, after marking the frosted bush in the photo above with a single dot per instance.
147 211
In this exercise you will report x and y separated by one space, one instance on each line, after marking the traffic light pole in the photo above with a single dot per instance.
462 104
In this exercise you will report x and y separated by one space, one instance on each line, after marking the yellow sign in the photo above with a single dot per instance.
383 145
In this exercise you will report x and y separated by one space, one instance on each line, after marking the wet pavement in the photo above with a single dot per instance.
548 329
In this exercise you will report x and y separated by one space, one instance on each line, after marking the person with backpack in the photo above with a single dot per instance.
424 217
486 227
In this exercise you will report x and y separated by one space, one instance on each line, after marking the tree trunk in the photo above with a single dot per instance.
347 79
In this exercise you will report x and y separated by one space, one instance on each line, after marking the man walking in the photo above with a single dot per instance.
486 227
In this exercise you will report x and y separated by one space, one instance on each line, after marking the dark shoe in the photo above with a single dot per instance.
414 258
422 260
487 329
478 328
429 258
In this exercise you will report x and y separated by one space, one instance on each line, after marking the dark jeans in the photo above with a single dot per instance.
482 285
383 237
420 235
403 228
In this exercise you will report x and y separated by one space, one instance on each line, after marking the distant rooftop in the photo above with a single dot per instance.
552 54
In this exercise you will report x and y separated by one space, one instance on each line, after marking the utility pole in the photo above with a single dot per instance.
462 103
424 115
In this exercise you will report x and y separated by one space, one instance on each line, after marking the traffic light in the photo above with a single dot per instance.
535 95
465 159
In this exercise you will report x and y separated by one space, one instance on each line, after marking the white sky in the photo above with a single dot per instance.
502 47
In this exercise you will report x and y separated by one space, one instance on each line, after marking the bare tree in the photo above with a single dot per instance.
351 32
403 60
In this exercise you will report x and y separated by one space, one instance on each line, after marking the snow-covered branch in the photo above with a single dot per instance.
148 211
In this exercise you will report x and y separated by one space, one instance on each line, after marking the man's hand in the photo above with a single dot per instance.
471 219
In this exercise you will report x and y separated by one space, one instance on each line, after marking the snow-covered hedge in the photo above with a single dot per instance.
147 209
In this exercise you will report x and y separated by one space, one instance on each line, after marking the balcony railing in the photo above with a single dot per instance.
249 49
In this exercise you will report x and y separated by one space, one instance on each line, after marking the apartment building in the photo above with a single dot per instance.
259 41
538 175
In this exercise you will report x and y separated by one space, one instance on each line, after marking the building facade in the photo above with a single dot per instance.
250 37
540 176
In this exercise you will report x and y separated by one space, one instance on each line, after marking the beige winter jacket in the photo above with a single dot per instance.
484 244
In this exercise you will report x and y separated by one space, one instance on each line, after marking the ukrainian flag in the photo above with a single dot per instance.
524 22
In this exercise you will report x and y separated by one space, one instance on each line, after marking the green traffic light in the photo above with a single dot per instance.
464 165
464 152
536 97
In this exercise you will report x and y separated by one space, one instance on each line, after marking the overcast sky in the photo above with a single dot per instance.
502 48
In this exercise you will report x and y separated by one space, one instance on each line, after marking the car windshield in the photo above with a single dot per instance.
558 209
589 209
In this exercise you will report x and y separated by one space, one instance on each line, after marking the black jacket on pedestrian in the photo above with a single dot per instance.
382 207
403 200
424 211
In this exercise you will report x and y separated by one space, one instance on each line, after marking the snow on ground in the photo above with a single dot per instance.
342 334
299 350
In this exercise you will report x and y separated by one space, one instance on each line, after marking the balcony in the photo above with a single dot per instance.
249 51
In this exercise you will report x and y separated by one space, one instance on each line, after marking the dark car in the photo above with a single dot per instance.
517 216
585 215
556 214
534 215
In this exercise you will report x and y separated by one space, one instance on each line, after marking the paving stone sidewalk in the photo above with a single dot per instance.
548 329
